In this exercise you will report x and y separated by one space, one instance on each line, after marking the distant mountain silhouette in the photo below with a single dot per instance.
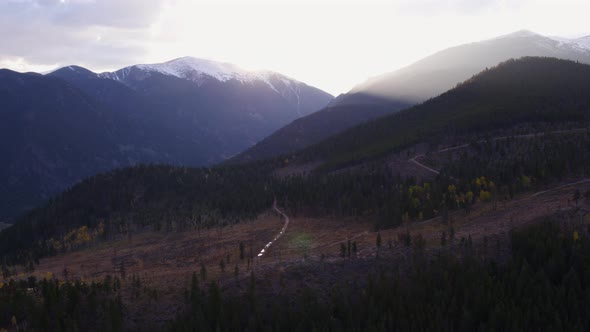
441 71
427 78
72 123
527 90
516 92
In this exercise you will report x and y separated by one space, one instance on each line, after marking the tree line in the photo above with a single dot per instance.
164 198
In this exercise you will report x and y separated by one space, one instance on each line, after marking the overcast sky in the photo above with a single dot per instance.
331 44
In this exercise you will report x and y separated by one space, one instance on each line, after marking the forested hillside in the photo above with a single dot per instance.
52 305
441 71
515 132
164 198
168 198
60 128
314 128
526 90
45 124
543 286
408 86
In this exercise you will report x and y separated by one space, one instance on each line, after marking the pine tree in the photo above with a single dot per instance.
349 248
122 270
203 272
242 248
577 196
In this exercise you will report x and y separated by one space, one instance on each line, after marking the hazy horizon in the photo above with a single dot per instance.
332 45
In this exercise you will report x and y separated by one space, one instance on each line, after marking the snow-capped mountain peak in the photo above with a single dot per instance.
194 69
583 42
580 45
201 70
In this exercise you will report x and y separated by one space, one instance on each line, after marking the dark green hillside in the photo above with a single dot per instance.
162 197
46 125
60 128
171 198
168 199
517 91
544 286
424 79
53 305
314 128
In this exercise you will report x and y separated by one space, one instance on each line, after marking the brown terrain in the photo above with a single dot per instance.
166 261
308 253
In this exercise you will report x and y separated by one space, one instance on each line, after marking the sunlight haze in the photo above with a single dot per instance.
329 44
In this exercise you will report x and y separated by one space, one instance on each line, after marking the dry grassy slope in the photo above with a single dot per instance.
308 254
159 255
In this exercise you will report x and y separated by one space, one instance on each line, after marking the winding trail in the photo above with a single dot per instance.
559 187
283 230
419 164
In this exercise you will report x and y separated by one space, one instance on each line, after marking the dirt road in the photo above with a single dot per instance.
283 230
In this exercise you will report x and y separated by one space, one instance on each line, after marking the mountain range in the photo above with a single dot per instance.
364 241
521 92
441 71
72 123
513 96
424 79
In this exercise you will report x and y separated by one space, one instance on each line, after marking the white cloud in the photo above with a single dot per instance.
332 44
54 32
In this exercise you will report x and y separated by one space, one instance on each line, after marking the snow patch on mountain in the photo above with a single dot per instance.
578 45
200 70
193 69
583 42
118 75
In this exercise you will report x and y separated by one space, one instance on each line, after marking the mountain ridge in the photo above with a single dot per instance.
513 94
532 89
154 118
482 54
424 79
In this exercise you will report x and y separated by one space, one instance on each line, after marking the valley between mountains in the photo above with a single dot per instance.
309 251
469 210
